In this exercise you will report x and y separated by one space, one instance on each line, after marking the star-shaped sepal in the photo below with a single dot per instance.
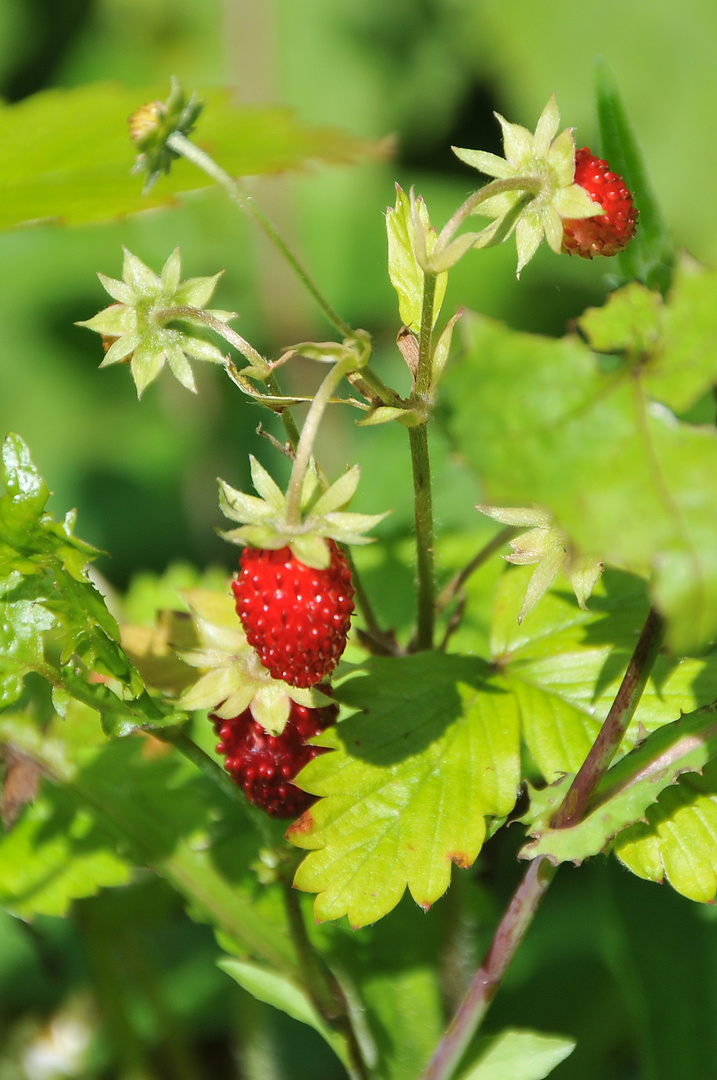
156 320
324 516
232 677
549 549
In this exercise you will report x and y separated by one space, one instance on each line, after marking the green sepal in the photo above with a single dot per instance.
409 233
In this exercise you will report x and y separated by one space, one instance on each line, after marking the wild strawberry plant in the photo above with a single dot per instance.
577 704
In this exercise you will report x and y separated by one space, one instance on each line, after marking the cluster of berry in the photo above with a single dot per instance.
297 619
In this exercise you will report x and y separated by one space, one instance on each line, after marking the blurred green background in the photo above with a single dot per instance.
605 962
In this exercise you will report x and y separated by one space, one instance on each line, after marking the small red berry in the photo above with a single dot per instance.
297 618
611 232
264 765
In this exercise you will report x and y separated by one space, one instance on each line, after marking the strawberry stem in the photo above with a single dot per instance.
240 344
531 185
308 436
237 193
321 984
421 467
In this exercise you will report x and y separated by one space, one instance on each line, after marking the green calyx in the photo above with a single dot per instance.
232 677
540 165
151 125
323 516
157 319
549 549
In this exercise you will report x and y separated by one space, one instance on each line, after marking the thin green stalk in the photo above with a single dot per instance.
540 873
187 149
423 518
292 431
200 315
421 466
531 185
305 446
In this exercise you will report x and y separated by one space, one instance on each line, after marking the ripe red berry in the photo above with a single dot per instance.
610 232
264 765
296 618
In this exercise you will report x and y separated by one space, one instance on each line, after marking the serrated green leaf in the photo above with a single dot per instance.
626 792
627 482
275 989
432 753
679 840
519 1055
649 257
66 154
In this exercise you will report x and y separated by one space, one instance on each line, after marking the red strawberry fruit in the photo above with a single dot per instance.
296 617
264 765
611 232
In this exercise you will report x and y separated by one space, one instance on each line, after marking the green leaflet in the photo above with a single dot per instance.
679 839
66 154
409 784
56 853
626 481
283 994
519 1055
673 341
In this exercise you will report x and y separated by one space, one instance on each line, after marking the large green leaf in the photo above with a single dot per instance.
409 785
674 342
540 422
65 155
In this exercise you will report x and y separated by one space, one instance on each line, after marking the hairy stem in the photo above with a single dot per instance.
540 873
185 148
421 467
457 582
531 185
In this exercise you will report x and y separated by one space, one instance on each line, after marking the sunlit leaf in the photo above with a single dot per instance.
679 840
431 753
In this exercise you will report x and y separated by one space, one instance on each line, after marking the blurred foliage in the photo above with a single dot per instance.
628 968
